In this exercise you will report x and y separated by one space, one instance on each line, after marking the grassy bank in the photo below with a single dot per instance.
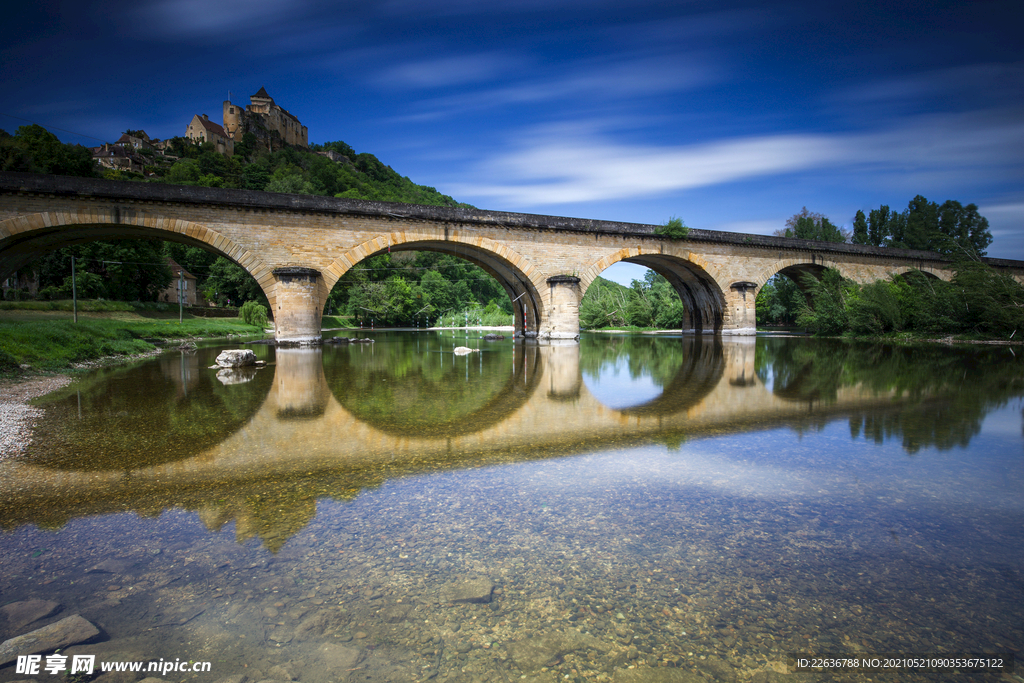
51 342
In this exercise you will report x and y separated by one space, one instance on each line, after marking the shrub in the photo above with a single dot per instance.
253 314
674 228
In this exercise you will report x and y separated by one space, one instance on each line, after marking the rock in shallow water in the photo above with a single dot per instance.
472 590
68 631
236 358
24 612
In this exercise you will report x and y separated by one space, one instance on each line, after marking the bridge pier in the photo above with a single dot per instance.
563 318
740 315
297 306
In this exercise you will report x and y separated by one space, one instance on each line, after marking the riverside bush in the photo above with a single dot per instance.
253 314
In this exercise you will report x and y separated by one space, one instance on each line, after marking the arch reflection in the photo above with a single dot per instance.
130 418
425 390
650 376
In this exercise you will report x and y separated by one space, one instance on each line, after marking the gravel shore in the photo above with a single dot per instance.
16 416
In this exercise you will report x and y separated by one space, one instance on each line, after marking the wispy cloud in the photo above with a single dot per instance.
583 169
592 81
449 71
563 166
202 18
969 86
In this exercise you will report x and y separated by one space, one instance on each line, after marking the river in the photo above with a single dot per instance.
628 508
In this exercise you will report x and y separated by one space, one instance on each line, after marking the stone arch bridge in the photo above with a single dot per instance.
298 246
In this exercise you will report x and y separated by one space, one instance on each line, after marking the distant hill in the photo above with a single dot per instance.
331 169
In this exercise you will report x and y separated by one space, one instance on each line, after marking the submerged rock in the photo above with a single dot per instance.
68 631
236 358
24 612
472 590
464 350
533 653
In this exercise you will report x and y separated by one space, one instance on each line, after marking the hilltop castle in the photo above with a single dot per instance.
273 126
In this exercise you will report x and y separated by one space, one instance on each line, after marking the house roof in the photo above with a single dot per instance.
211 126
176 268
262 94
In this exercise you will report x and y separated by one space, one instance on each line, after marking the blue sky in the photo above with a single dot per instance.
730 115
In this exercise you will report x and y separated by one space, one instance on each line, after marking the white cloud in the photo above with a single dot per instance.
585 169
563 165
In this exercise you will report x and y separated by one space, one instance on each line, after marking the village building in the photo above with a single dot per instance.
120 157
273 126
184 279
136 139
202 129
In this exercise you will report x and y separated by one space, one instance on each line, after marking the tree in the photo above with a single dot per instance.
879 225
827 314
779 302
922 224
129 270
807 225
962 231
951 229
860 228
33 149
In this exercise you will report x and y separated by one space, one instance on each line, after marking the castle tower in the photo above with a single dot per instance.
233 120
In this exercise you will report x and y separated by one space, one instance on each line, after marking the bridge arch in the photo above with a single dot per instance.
794 268
24 238
522 281
691 276
931 273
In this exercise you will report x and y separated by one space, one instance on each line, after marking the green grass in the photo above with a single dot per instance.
91 305
334 321
49 343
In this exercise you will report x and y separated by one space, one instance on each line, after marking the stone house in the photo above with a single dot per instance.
186 280
118 156
202 129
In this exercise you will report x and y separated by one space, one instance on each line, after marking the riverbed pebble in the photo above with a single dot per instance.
17 417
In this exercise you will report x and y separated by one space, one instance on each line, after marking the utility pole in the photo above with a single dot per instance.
181 293
74 289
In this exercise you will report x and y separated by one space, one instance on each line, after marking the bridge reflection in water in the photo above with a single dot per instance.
329 422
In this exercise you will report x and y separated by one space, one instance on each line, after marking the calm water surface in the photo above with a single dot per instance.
625 509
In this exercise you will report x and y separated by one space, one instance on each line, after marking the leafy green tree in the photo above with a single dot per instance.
993 302
807 225
229 284
604 305
129 270
827 313
951 228
184 172
779 302
962 231
860 229
33 149
922 224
